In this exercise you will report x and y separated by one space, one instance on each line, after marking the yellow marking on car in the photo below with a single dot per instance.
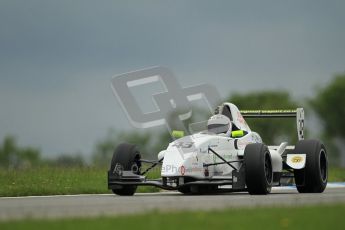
237 133
177 134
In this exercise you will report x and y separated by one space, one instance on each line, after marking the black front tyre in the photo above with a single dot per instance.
258 169
126 157
313 178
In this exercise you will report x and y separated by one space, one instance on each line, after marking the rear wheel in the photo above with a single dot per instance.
258 169
313 178
126 157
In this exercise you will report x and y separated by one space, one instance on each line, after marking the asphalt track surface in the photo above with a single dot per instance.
108 204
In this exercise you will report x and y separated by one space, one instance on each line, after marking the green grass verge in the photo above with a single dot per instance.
313 217
51 181
57 181
336 175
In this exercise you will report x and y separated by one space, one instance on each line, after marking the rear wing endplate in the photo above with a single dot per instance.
298 113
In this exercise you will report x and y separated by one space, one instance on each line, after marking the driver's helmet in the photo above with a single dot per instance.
219 124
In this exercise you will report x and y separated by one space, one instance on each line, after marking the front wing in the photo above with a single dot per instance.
118 180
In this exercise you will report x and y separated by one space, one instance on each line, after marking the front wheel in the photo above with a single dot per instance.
126 157
258 169
313 177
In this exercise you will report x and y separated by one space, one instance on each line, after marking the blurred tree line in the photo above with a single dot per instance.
13 156
328 105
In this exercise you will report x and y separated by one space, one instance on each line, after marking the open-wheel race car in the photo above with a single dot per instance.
226 156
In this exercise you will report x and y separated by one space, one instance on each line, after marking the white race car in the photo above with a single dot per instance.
227 156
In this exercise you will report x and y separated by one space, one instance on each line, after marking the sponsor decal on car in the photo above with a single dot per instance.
182 170
181 144
296 159
269 111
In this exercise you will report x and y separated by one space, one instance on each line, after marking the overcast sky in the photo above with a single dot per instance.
57 57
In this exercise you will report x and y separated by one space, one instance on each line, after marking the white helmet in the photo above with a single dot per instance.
219 124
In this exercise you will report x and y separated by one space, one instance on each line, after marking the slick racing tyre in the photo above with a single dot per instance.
312 178
125 158
258 169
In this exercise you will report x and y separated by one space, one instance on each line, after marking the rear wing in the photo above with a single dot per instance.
298 113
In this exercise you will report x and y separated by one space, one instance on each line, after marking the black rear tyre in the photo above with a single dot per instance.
126 157
313 178
258 169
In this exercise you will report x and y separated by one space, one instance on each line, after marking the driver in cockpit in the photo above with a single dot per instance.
221 124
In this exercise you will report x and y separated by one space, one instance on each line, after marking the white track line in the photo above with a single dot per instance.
329 185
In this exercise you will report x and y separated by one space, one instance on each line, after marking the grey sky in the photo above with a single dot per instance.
57 57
